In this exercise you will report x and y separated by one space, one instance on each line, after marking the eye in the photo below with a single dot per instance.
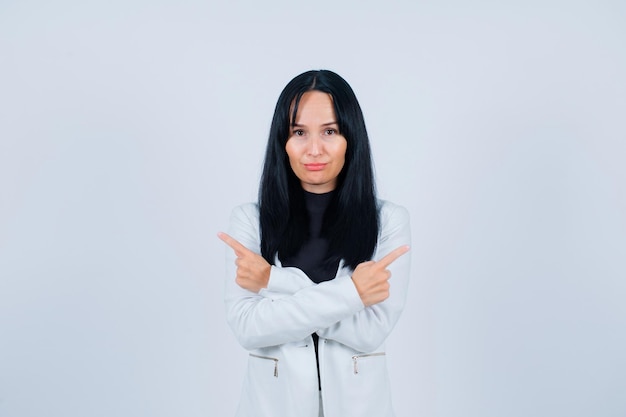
329 132
298 132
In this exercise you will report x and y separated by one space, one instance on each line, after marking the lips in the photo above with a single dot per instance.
314 167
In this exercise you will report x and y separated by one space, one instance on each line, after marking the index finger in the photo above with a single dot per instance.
233 243
393 255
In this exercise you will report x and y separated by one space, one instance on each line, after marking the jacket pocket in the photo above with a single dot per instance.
268 358
363 356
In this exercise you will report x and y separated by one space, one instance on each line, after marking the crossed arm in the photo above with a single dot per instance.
269 305
370 278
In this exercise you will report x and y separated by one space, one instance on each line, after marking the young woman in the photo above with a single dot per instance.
308 283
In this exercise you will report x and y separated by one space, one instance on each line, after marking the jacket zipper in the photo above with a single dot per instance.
355 359
268 358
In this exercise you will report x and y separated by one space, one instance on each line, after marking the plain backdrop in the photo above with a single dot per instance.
130 129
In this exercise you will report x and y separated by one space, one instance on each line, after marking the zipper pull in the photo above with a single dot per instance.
355 359
276 368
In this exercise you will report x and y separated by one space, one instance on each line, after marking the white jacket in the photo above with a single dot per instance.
276 324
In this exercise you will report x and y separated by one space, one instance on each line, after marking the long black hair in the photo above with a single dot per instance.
351 222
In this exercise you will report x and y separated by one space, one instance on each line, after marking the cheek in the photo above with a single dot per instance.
289 150
292 155
341 153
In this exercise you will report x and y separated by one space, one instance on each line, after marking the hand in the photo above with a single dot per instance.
253 271
371 278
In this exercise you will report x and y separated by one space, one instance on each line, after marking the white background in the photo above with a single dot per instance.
130 129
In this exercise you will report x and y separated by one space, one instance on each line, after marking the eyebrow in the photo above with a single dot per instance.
323 124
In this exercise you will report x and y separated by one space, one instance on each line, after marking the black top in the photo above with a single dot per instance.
311 255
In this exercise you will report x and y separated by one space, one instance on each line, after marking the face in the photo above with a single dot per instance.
316 149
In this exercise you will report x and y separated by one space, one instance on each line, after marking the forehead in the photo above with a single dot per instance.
314 107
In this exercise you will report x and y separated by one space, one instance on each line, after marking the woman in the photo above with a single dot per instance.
303 292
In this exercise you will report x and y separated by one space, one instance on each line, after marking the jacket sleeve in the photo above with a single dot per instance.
368 328
292 307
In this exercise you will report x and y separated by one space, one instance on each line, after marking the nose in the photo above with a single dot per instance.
314 147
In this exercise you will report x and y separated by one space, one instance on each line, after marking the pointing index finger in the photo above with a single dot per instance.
393 255
233 243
